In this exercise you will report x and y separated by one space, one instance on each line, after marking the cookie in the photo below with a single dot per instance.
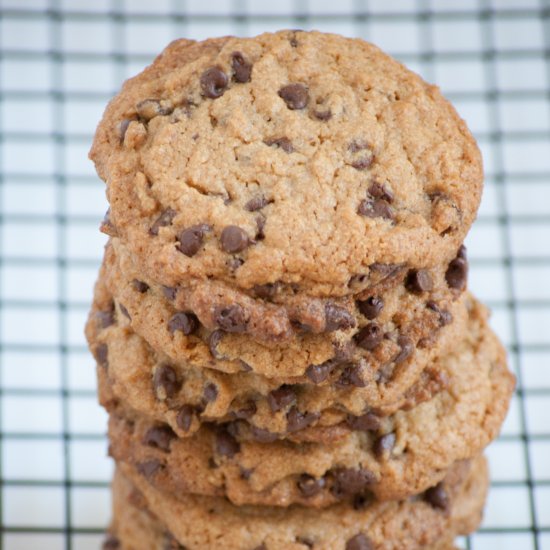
407 453
131 371
390 348
194 523
300 159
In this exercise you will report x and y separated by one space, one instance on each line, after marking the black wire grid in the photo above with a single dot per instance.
61 61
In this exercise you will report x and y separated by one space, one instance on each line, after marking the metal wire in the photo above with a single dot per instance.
65 59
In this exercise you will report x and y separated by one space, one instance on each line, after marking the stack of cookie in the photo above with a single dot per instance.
283 336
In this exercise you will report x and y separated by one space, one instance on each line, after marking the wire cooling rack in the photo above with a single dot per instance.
61 61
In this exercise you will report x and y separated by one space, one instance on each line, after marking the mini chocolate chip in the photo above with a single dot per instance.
107 225
213 82
140 286
149 468
267 291
242 69
226 444
150 108
111 543
383 445
357 145
376 208
164 220
368 422
184 418
246 412
106 318
159 437
462 252
407 347
281 398
457 273
371 307
323 115
191 239
295 96
369 337
351 481
169 292
419 280
359 542
185 322
380 191
260 224
319 373
445 317
122 128
213 340
101 355
437 497
283 143
124 312
310 486
305 541
263 436
337 318
165 382
210 392
297 420
256 203
360 502
234 239
234 263
351 376
231 318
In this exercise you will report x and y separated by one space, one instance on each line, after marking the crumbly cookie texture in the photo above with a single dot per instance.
296 158
205 523
384 334
409 452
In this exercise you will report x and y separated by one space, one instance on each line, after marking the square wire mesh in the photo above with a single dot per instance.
61 61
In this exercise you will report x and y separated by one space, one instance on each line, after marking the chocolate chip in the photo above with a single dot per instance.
283 143
366 157
185 322
226 444
122 128
256 203
170 543
310 486
140 286
164 220
242 69
267 291
383 445
165 382
150 108
457 273
111 543
437 497
351 481
351 376
369 337
360 502
231 318
124 312
260 224
295 96
376 208
462 252
107 226
210 392
191 239
169 292
323 115
184 418
380 191
337 318
305 541
263 436
297 420
371 307
319 373
445 317
149 468
246 412
101 353
106 318
159 437
407 347
359 542
213 82
234 239
213 340
419 280
368 422
281 398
